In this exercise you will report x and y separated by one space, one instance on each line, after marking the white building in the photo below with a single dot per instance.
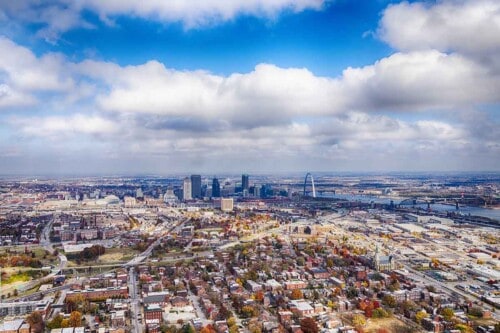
226 204
187 189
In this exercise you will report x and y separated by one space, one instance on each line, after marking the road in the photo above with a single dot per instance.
134 306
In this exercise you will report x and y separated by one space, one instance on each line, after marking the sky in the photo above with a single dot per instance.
254 86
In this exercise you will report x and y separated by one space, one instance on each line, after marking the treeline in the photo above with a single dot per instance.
89 253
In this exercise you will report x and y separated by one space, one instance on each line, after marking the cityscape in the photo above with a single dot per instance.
324 253
250 166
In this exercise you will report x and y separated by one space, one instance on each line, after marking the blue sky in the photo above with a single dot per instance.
252 86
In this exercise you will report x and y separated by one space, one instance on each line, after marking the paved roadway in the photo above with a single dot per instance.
134 306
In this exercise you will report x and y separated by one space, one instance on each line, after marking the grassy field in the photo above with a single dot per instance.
112 255
17 275
373 325
45 257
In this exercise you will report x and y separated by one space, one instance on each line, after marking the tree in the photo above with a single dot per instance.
231 321
296 294
75 319
247 311
431 288
464 328
329 262
208 329
308 325
379 313
259 296
389 301
476 311
55 322
394 285
65 323
447 313
35 320
420 315
358 320
188 329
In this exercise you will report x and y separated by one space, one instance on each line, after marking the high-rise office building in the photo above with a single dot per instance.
196 186
215 188
186 189
244 182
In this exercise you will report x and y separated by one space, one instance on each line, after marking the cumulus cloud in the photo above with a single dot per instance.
467 27
415 81
22 73
405 107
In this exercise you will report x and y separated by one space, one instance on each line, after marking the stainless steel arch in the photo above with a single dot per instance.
312 183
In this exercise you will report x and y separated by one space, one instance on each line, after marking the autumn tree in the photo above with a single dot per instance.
447 313
208 329
420 315
308 325
297 294
464 328
259 296
35 320
358 320
231 321
75 319
65 323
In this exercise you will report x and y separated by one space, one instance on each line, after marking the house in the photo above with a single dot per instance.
179 301
14 326
118 318
301 308
153 314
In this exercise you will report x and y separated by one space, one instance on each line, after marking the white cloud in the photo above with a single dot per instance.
469 27
193 13
420 80
24 71
10 98
415 81
63 127
59 16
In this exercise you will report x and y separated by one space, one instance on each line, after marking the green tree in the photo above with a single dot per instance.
55 322
476 311
389 301
380 313
188 329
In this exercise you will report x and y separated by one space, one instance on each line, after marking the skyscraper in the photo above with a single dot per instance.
196 186
244 182
215 188
186 188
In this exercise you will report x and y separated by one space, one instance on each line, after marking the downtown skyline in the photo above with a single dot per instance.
90 87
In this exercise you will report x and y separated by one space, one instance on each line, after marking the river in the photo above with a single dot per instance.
466 210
